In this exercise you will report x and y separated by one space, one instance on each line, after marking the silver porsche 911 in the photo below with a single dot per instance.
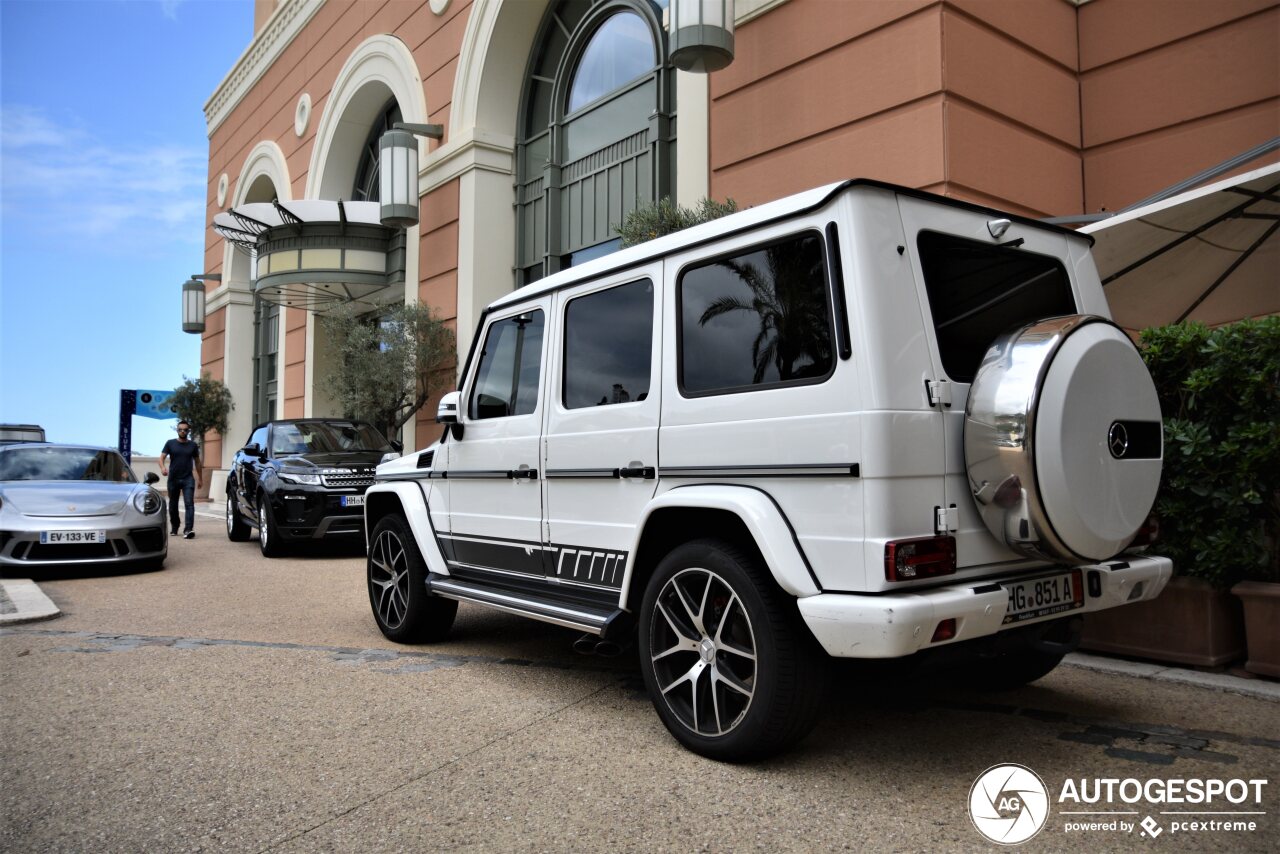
64 504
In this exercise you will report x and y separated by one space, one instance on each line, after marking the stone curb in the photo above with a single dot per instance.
22 601
1261 689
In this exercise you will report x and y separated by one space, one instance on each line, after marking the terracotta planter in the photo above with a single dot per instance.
1188 623
1262 625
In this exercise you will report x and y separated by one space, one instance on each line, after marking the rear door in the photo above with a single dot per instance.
974 287
494 471
602 427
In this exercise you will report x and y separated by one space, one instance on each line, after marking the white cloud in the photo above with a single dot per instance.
169 8
60 179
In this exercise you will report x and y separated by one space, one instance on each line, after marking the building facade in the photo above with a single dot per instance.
559 116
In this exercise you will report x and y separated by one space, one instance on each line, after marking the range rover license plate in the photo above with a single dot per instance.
1044 595
353 501
66 537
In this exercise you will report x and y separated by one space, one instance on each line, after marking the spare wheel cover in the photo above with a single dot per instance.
1063 439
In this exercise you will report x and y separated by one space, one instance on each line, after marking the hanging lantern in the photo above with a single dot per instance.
701 34
193 306
398 178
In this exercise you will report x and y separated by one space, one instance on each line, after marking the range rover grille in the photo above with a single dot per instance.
346 481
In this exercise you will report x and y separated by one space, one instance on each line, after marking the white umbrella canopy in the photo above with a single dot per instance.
1211 254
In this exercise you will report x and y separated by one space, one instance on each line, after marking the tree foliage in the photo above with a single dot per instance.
665 216
386 370
1219 500
205 404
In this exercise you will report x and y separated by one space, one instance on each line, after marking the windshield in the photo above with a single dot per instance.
306 437
64 464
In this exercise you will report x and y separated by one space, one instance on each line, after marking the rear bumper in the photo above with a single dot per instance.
894 625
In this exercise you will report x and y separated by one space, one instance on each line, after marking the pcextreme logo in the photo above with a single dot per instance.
1010 803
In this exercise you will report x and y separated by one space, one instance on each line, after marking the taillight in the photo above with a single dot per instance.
945 631
923 557
1147 534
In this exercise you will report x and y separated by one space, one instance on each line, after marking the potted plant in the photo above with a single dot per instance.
1218 505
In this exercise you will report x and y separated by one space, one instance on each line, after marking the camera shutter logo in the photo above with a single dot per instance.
1008 804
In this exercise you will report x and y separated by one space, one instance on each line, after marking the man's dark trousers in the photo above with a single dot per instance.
187 486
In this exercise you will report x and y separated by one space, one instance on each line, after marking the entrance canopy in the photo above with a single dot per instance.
1211 254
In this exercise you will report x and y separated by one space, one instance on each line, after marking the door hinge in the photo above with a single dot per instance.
939 392
945 520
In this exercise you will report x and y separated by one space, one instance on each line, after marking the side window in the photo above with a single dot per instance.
977 291
760 318
507 379
608 346
259 438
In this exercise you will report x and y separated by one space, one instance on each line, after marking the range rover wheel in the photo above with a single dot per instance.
268 537
405 611
238 530
730 668
1062 439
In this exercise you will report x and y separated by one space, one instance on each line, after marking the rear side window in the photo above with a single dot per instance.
977 291
507 379
608 346
757 319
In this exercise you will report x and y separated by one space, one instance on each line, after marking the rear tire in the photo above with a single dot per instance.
406 612
238 530
732 672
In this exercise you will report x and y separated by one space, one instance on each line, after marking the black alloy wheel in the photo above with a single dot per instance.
406 612
732 671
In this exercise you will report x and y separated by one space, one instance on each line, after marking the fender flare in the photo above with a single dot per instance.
764 520
413 501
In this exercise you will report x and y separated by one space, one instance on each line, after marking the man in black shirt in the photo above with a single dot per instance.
183 469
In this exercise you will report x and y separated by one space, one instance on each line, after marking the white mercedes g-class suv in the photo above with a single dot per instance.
862 421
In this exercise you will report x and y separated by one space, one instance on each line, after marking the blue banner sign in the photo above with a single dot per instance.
153 403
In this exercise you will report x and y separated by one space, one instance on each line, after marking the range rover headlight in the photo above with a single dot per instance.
300 477
147 501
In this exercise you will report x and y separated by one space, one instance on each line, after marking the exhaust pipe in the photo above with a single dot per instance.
586 645
592 645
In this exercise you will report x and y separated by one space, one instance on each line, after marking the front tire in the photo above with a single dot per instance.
238 530
731 670
268 537
403 608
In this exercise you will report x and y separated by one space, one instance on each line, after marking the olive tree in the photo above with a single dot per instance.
205 404
386 367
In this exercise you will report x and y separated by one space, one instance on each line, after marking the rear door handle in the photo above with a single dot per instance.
645 472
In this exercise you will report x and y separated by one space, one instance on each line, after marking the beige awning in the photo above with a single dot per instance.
1211 254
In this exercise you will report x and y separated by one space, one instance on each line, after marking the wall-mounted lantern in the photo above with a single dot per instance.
701 34
193 301
398 172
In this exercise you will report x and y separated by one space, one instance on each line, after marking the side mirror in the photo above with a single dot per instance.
397 446
151 478
252 450
447 413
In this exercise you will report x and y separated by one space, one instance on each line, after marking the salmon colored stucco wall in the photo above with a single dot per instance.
311 64
1171 88
1038 106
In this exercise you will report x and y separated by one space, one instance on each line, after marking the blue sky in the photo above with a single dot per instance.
103 176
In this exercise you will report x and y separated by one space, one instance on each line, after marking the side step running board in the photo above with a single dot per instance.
597 621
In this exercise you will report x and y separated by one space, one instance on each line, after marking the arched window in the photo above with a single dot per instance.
596 130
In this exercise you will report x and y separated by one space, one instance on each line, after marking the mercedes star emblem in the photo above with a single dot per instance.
1118 440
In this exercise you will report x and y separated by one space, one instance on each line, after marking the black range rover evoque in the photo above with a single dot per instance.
303 479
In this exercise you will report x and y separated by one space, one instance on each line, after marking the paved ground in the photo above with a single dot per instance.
230 702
